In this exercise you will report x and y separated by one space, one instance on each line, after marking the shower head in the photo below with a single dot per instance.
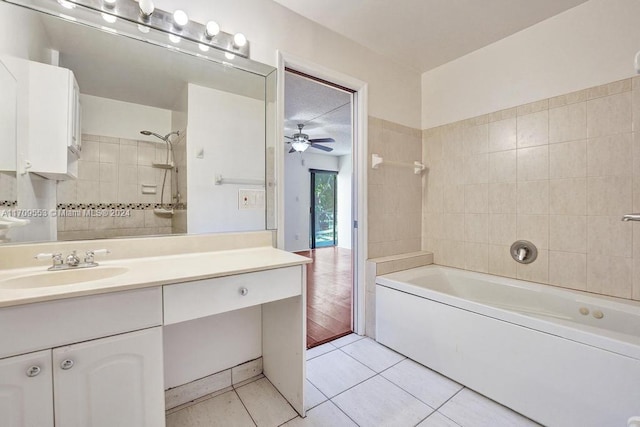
164 138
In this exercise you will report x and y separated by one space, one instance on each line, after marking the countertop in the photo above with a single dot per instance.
152 271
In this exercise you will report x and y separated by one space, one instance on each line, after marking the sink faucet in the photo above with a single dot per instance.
72 260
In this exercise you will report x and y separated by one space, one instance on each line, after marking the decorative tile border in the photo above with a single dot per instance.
9 203
132 206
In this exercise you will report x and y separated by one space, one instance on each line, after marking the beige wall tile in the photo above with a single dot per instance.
502 198
453 226
452 141
476 228
91 151
534 228
454 199
476 257
568 160
568 196
453 170
533 107
433 197
568 233
502 135
610 275
432 226
610 155
635 107
608 236
453 253
476 169
66 191
636 193
533 129
500 261
569 98
636 152
568 270
568 123
537 271
109 153
636 280
502 229
533 163
128 154
609 115
503 166
88 171
476 139
508 113
609 195
609 89
476 198
533 197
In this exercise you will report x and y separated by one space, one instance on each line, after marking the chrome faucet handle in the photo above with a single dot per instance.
89 255
55 257
73 260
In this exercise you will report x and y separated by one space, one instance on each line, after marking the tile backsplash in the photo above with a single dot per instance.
111 173
395 193
559 172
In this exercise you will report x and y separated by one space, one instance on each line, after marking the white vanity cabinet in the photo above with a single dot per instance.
114 381
26 390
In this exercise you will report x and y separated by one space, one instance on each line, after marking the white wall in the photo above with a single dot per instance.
228 131
589 45
297 200
118 119
345 171
394 89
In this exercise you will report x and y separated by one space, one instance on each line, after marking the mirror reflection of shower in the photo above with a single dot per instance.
166 209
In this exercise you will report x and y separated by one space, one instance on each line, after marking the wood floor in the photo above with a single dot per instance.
329 294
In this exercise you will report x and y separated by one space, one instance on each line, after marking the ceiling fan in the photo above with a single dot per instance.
300 141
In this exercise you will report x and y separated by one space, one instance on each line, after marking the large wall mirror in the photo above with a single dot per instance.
169 141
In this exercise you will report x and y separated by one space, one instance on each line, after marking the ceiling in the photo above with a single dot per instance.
424 34
324 110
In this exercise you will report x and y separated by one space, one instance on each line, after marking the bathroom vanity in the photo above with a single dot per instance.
78 352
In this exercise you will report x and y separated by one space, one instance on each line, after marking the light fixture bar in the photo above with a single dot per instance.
161 20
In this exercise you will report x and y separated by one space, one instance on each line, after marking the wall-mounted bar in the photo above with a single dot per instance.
377 160
631 217
220 180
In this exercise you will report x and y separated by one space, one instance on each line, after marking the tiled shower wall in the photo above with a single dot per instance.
395 192
560 172
111 172
8 190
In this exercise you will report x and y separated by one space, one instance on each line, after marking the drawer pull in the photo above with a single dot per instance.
67 364
33 371
244 291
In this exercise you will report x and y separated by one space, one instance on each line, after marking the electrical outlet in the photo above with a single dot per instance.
251 199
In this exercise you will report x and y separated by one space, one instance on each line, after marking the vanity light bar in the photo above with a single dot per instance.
177 23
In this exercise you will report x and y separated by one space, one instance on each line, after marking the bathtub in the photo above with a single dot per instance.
560 357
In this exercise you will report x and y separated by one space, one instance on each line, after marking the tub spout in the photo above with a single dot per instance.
631 217
522 254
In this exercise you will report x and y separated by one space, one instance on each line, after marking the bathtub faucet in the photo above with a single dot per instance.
522 254
631 217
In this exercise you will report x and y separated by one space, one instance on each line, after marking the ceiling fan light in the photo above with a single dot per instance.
299 145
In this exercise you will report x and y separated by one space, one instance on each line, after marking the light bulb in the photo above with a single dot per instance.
212 29
109 3
299 146
203 47
66 4
146 8
180 19
174 38
143 28
239 40
229 55
109 18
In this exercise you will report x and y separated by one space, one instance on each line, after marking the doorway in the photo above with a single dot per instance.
323 213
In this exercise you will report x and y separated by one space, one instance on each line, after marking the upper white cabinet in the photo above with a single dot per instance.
49 116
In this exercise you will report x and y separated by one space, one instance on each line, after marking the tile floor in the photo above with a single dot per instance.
353 381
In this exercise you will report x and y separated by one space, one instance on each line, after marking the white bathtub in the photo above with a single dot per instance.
522 344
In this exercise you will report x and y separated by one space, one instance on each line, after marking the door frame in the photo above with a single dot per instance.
359 178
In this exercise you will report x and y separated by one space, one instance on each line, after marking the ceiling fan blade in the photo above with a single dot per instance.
322 140
321 147
292 151
289 137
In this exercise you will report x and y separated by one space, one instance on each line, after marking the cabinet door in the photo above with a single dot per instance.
26 398
114 381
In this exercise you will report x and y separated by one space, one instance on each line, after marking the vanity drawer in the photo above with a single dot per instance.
37 326
192 300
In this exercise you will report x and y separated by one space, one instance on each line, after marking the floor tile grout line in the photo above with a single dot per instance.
345 414
245 408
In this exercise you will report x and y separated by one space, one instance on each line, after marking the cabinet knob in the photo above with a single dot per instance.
244 291
33 371
67 364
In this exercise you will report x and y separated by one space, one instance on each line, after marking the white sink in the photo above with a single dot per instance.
65 277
